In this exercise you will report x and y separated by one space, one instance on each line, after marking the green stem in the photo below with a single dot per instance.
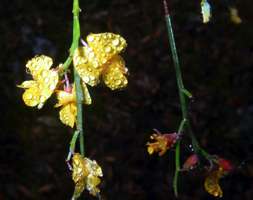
177 158
181 97
79 91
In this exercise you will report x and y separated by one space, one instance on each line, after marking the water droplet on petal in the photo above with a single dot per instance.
108 49
116 42
118 82
90 38
86 79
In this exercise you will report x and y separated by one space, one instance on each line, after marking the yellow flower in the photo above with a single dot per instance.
206 11
85 174
163 142
234 16
211 183
99 58
44 82
67 102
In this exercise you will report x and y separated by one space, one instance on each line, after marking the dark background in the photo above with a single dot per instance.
217 65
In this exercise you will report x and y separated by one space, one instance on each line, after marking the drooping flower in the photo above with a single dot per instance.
44 82
100 59
211 183
85 174
162 143
191 162
67 102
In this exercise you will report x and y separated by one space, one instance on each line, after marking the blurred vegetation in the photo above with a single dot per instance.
217 62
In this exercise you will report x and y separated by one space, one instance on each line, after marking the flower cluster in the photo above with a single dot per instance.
85 174
97 59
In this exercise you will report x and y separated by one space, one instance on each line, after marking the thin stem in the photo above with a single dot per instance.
79 91
181 96
177 158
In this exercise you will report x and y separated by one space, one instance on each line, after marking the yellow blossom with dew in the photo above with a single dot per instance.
44 82
211 183
85 174
99 59
67 102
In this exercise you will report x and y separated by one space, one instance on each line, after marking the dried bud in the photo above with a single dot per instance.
191 162
225 164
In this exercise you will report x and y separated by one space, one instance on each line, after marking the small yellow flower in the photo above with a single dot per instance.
99 58
211 183
163 142
206 11
234 16
67 102
85 174
37 91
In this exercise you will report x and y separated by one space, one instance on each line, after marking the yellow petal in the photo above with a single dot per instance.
68 114
212 183
150 150
79 168
27 84
47 81
64 98
114 76
92 183
87 65
79 188
106 45
31 96
92 167
39 63
87 99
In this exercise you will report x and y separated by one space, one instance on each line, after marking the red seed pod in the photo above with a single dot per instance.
191 162
225 164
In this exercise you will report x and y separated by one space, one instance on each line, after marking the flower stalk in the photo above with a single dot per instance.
183 93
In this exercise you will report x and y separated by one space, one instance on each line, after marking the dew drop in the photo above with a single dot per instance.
108 49
51 87
116 42
86 79
46 80
118 82
29 96
90 38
